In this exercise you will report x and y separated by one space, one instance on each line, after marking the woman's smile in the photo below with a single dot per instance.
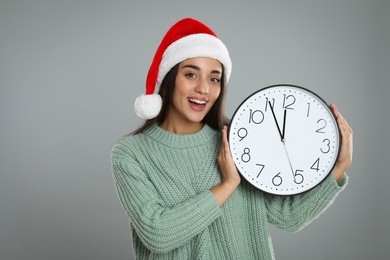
197 104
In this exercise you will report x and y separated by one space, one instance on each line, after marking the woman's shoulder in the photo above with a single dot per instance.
127 145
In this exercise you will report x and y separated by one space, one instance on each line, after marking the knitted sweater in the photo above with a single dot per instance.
163 181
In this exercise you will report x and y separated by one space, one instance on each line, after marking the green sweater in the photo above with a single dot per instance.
163 181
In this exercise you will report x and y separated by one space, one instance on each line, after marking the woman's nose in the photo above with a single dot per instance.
202 87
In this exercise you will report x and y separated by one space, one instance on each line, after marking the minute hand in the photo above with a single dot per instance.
284 125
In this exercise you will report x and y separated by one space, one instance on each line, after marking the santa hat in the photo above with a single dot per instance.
188 38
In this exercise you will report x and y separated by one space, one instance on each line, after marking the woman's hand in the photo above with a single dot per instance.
230 176
226 164
345 155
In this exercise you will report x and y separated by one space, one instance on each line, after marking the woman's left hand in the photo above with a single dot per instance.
345 155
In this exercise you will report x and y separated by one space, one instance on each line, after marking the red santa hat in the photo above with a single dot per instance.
188 38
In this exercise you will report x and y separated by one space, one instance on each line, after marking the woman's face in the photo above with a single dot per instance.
197 87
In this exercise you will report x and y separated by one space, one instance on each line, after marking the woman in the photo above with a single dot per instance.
175 175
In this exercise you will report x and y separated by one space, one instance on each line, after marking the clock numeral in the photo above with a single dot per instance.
298 178
267 103
288 101
322 124
256 116
246 157
277 180
316 165
242 133
308 110
261 169
327 143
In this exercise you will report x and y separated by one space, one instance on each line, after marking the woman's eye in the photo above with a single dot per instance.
190 75
215 80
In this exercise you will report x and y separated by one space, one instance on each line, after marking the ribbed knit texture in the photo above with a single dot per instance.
163 181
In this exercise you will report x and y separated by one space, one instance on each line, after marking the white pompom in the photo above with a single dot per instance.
148 106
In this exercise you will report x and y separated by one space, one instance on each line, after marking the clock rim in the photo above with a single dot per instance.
331 112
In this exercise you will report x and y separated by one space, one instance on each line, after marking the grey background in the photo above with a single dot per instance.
69 74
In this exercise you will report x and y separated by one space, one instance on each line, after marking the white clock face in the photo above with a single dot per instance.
284 139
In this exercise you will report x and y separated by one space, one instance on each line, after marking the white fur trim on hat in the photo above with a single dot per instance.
194 46
148 106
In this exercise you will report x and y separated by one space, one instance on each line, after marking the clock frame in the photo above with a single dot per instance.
284 139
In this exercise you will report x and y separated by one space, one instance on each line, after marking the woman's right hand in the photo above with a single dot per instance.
226 164
230 176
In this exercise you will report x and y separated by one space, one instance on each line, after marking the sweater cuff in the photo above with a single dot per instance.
331 187
343 181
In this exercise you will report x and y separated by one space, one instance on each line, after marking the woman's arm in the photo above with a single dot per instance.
292 213
160 228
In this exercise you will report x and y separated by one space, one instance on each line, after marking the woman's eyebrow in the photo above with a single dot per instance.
197 68
191 66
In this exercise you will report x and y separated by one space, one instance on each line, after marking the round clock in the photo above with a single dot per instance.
284 139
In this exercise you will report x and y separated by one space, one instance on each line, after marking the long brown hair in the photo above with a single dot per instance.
215 118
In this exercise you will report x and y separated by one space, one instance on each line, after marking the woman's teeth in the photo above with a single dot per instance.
199 102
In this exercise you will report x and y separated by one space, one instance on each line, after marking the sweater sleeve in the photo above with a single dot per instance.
292 213
160 228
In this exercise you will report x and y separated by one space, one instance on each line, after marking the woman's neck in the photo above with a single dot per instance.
176 127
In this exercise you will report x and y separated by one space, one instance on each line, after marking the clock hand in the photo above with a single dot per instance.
276 121
289 160
284 125
282 135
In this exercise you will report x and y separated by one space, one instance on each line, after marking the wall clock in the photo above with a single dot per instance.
284 139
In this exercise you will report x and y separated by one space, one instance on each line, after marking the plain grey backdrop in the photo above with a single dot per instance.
69 74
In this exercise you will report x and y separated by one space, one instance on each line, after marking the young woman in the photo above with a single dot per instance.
175 175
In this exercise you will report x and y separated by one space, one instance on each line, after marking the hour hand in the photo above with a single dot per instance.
276 121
